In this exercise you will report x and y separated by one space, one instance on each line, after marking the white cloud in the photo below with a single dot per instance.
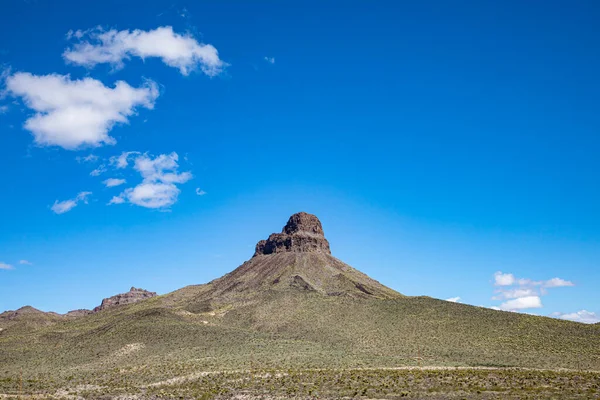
270 60
557 282
87 159
112 182
61 207
122 161
523 293
584 316
25 262
514 293
454 299
5 266
200 192
522 303
113 47
116 200
3 109
98 171
75 113
501 279
159 179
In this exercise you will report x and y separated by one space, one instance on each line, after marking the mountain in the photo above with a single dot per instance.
291 305
133 296
296 260
27 319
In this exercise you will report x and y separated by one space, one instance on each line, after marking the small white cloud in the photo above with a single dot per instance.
514 293
99 171
3 109
200 192
76 113
61 207
501 279
6 266
114 47
557 282
584 316
122 161
270 60
112 182
454 299
25 262
87 159
522 303
158 188
116 200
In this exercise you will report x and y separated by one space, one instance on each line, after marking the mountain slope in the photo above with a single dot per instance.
291 305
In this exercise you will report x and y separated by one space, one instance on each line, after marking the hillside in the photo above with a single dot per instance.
292 305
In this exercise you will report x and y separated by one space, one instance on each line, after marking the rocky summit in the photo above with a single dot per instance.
296 260
302 233
134 295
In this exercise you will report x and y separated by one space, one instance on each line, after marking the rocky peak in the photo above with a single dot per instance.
133 296
302 233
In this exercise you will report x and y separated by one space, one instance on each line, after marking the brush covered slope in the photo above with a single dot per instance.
292 305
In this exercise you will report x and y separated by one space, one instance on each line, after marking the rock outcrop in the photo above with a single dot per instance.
133 296
303 233
78 313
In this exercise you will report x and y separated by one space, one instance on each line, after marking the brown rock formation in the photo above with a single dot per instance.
303 233
133 296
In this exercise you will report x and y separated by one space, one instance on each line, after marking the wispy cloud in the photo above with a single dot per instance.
200 192
112 182
270 60
99 170
87 159
25 262
61 207
3 109
454 299
76 113
113 47
122 161
6 266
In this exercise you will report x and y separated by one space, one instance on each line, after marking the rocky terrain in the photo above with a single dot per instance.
303 233
133 296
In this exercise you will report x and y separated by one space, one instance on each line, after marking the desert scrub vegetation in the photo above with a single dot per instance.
444 383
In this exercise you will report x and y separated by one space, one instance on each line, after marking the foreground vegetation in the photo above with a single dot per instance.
423 383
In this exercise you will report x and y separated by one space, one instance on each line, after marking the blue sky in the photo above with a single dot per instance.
449 148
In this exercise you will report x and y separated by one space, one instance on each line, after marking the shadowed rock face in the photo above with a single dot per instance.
303 233
134 295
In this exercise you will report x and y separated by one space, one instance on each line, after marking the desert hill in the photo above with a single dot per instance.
292 305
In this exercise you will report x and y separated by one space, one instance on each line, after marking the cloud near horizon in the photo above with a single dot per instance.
583 316
454 299
521 294
77 113
113 47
